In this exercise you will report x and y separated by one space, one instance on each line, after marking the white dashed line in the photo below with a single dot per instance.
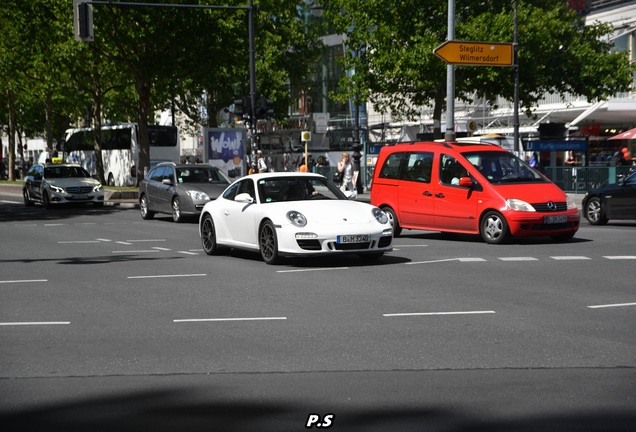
570 258
35 323
167 276
518 259
23 281
438 313
136 251
621 257
312 269
229 319
161 248
612 305
186 252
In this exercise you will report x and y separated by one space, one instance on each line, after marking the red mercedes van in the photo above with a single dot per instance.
472 188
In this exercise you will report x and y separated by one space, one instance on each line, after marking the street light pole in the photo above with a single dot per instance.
515 68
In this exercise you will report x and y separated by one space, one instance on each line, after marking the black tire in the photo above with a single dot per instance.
594 212
46 202
397 229
208 236
177 216
146 214
268 243
27 199
494 228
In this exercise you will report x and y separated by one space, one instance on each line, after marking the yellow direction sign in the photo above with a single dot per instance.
475 53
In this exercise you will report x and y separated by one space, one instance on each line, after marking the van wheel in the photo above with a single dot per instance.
397 229
494 228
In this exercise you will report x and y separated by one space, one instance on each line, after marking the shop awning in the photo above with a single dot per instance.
627 135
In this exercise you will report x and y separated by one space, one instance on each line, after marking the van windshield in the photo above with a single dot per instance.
503 167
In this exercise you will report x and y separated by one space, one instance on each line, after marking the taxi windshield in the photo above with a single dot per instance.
65 172
503 167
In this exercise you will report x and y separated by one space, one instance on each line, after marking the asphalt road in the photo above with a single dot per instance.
108 322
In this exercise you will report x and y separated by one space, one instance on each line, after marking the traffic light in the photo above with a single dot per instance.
265 108
243 107
83 21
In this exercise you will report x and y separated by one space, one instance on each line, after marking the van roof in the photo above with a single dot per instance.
449 144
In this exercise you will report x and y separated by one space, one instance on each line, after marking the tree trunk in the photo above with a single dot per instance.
97 134
11 136
143 113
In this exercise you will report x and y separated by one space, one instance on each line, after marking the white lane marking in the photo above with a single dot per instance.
53 224
11 202
196 250
123 243
103 240
79 241
229 319
432 262
518 259
167 276
35 323
438 313
471 259
621 257
23 281
136 251
186 252
161 248
612 305
146 240
312 269
569 258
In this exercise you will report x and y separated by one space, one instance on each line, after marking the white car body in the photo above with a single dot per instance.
334 224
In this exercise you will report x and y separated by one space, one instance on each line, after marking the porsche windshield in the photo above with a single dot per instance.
503 167
298 188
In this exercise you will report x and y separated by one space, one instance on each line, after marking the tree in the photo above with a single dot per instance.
391 45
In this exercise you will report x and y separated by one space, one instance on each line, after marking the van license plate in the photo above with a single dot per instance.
555 219
353 238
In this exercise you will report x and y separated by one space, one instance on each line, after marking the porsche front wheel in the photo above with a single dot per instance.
268 243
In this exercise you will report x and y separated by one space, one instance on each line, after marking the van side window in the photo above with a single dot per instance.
450 170
419 167
391 167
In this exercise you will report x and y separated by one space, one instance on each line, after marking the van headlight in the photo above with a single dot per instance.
379 215
297 218
519 205
571 204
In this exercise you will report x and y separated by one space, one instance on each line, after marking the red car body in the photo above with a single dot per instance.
469 188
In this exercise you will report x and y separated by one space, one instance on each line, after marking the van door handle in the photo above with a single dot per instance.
439 195
427 193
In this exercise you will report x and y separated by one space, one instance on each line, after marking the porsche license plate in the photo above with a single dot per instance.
555 219
353 238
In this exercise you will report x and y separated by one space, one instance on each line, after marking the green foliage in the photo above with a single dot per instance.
392 41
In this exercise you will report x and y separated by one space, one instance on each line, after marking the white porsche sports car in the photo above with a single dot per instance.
303 214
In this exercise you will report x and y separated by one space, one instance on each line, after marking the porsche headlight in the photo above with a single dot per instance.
199 196
297 218
519 205
380 216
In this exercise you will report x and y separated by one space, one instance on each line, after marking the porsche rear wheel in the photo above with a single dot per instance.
268 243
208 236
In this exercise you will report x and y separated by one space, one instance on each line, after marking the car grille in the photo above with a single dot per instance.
309 244
543 207
351 246
385 241
79 189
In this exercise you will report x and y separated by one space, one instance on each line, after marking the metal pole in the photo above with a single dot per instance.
252 55
515 68
450 79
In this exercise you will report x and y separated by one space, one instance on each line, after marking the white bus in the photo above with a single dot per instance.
120 150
